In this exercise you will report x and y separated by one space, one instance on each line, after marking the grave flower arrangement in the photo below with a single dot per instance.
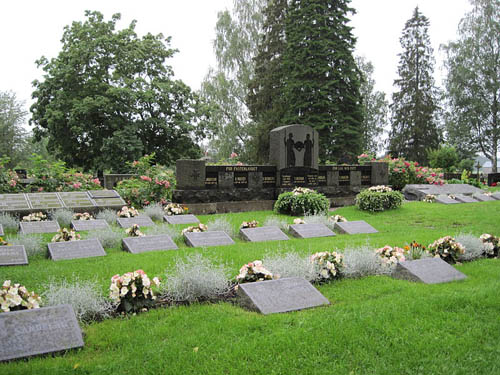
429 198
447 249
133 291
302 190
415 250
328 264
301 201
492 244
337 219
4 243
134 231
35 216
127 212
82 216
249 224
195 228
64 235
252 272
391 255
380 189
299 221
17 297
379 198
175 209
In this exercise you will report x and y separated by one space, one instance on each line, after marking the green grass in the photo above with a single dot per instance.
375 325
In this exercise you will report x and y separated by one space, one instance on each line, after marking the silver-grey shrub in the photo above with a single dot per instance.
474 247
33 243
196 279
108 238
8 221
291 265
319 219
221 224
167 229
63 216
363 261
276 221
108 215
84 296
154 211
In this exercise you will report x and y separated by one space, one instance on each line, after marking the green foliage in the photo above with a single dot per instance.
154 184
445 157
12 134
379 201
109 97
312 203
415 102
472 84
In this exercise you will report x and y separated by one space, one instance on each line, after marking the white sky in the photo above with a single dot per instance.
32 28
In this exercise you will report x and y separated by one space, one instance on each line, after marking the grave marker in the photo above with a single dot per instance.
142 221
13 255
483 197
465 199
76 199
13 202
283 295
39 227
137 245
1 230
46 330
76 249
206 239
496 196
261 234
44 201
427 271
444 199
181 219
310 230
354 227
81 225
103 194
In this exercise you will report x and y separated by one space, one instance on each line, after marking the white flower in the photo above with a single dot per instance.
124 291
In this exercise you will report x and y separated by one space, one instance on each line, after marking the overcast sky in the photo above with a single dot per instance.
32 28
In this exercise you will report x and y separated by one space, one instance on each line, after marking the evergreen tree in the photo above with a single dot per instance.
322 80
265 100
415 103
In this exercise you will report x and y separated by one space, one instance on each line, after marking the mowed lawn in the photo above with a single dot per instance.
374 325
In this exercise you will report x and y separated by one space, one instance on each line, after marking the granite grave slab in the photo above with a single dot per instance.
278 296
39 227
1 230
206 239
181 219
419 191
13 255
75 249
44 201
97 224
137 245
465 199
114 203
354 227
13 202
141 221
427 271
444 199
102 194
26 333
310 230
496 196
261 234
76 199
483 198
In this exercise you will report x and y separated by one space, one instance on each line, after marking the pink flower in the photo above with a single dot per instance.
134 163
96 181
77 185
234 155
12 183
40 189
433 174
146 178
407 164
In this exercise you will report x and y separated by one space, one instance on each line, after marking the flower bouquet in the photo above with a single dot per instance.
133 291
64 235
82 216
253 271
35 216
127 212
492 244
328 264
196 228
391 255
175 209
134 231
249 224
16 297
447 249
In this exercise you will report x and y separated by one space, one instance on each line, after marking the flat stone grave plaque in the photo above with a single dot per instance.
137 245
13 202
99 194
496 196
44 201
96 224
282 295
1 230
444 199
465 199
181 219
76 249
205 239
310 230
261 234
39 227
77 199
427 271
13 255
116 203
483 197
419 191
354 227
38 331
142 221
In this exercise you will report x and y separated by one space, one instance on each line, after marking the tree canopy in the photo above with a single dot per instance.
109 97
13 136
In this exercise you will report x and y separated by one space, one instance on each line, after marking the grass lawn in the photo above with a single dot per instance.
375 325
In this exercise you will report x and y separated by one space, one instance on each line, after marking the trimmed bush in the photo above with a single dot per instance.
363 261
8 221
107 237
474 248
302 202
33 243
377 201
221 224
63 216
291 265
276 221
108 215
154 211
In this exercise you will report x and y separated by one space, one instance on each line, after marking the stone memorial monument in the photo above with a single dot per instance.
294 146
